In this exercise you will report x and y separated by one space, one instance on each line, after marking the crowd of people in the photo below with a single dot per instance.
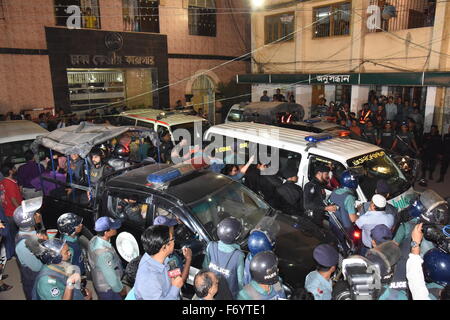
393 123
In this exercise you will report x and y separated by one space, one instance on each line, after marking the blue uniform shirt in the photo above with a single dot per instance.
320 287
153 282
369 221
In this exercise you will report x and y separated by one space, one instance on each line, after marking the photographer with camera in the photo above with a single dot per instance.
319 282
436 266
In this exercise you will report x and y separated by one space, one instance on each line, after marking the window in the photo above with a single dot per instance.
141 15
279 26
202 18
90 12
332 20
132 209
336 170
401 14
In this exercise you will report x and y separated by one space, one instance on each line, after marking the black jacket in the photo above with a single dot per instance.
290 198
314 196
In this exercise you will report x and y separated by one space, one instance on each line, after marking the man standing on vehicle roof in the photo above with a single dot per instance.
314 195
386 136
345 199
224 257
106 265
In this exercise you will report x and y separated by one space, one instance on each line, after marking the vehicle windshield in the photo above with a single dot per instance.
235 115
232 200
14 151
377 165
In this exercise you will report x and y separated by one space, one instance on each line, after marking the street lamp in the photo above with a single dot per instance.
256 4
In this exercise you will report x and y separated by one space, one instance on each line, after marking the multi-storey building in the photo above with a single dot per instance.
344 50
138 53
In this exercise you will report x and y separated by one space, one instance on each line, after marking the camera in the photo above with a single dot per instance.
437 235
362 280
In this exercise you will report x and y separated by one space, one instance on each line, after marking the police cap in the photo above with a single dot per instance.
326 255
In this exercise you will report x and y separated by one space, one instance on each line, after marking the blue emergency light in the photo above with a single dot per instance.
318 138
311 121
163 176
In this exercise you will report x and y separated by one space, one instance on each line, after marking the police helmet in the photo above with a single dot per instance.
264 268
121 151
259 241
436 267
416 209
229 229
52 251
24 219
68 222
97 151
349 179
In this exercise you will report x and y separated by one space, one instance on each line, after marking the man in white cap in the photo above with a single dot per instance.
375 216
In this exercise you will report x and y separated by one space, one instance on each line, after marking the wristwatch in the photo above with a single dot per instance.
70 284
414 244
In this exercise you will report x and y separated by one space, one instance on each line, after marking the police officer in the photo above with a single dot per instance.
290 194
258 241
266 283
224 257
445 155
314 195
166 146
53 282
436 270
99 169
29 264
129 208
432 146
105 263
345 199
386 136
70 226
370 132
365 115
121 155
404 142
398 288
319 282
436 267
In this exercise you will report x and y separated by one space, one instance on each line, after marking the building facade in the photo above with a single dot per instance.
134 53
342 50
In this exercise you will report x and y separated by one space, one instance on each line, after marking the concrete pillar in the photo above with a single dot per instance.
303 96
330 93
384 90
360 95
430 105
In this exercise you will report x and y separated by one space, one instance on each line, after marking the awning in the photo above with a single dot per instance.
440 79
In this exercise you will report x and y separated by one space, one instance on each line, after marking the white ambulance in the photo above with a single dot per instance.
308 150
160 120
16 137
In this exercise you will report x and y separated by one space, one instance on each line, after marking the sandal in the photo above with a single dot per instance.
5 287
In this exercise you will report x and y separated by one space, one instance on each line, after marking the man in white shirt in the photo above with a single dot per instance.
415 275
375 216
391 109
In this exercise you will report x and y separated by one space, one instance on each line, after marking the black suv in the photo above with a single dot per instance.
200 199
